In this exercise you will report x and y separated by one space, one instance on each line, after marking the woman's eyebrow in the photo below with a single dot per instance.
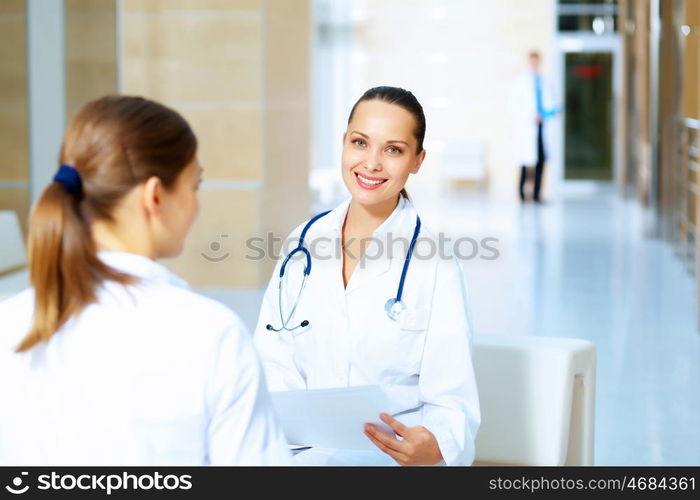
359 133
388 142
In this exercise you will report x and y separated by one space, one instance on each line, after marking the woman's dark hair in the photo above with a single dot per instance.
403 98
115 143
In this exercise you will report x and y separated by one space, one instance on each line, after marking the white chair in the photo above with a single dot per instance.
537 399
13 274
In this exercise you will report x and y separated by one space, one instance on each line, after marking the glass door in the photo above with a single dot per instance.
588 130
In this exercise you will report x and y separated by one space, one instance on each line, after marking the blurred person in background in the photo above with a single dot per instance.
109 358
532 106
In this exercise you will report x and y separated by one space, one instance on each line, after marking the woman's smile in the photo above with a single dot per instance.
367 182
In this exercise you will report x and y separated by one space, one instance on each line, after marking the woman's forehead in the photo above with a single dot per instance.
382 119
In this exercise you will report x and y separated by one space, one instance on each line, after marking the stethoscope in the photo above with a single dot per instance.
393 307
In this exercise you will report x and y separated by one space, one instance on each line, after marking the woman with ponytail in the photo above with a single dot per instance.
109 358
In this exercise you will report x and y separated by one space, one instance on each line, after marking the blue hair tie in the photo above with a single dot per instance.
70 178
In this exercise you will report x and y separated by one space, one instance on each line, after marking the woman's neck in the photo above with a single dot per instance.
366 218
108 238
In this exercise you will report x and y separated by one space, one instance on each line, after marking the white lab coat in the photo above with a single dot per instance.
423 361
150 375
524 114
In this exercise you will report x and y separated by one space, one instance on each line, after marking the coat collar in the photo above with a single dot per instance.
141 267
399 227
393 223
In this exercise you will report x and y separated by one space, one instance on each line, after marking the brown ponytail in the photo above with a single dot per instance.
115 143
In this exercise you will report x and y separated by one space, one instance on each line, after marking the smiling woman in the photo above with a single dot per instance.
410 127
417 345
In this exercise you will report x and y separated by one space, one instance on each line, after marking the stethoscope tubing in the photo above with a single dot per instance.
307 271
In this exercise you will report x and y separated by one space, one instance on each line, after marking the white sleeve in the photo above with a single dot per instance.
277 348
243 429
447 385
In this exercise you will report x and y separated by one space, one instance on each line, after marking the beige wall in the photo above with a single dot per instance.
691 61
14 169
460 58
238 70
90 51
285 198
641 83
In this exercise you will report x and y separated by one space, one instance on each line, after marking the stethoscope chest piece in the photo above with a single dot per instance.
394 308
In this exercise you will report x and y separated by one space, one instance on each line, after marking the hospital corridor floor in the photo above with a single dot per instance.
581 267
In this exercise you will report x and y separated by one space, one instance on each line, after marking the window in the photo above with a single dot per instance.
594 16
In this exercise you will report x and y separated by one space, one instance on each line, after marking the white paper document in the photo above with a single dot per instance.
331 418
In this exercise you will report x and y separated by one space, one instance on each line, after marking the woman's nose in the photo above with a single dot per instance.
373 162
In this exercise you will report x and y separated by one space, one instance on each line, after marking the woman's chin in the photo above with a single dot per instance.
368 197
372 197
